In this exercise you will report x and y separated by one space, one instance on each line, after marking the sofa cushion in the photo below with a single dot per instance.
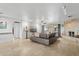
36 34
52 35
47 36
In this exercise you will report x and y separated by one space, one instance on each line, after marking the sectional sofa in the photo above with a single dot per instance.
44 38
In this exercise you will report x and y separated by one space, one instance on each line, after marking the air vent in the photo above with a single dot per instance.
1 12
69 16
16 22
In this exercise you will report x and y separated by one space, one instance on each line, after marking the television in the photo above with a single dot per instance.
33 30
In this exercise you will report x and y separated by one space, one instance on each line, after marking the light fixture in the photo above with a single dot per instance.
65 11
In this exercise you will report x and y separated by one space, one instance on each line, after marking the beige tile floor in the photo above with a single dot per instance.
25 47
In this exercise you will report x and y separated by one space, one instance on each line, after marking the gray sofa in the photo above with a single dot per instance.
46 39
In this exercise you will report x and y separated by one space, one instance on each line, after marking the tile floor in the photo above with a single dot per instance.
25 47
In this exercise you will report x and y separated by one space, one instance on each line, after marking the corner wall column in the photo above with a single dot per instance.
59 30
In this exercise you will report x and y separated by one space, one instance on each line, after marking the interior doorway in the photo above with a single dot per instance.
16 30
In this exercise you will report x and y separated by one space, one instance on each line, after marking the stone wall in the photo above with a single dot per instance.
71 25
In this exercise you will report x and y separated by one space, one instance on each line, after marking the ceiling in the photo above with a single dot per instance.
36 11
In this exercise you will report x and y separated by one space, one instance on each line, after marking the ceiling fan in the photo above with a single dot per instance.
66 14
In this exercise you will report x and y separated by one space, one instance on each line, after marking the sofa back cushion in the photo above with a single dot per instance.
44 35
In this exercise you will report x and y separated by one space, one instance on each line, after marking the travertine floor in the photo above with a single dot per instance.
24 47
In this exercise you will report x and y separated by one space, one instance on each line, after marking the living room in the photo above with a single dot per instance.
50 29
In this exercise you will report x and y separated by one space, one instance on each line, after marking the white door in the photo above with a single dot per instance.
17 30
